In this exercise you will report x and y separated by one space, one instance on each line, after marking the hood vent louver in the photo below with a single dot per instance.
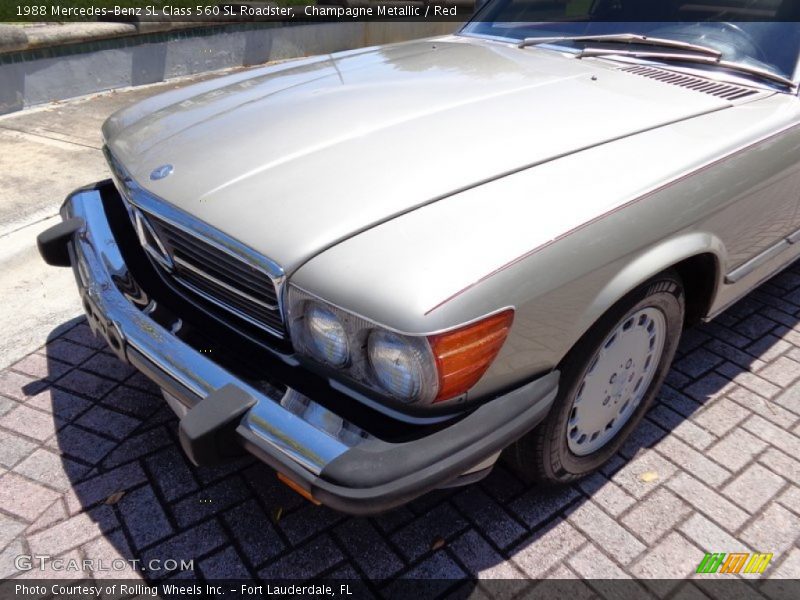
721 90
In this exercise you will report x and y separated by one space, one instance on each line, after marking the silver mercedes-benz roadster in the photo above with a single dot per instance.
376 270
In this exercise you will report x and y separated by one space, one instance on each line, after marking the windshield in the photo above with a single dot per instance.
760 33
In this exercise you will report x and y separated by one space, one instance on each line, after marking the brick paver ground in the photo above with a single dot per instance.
90 468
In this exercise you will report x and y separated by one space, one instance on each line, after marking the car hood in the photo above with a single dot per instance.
293 159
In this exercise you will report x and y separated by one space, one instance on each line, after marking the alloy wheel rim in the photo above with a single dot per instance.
616 380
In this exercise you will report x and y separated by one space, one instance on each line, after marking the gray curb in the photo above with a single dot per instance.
12 38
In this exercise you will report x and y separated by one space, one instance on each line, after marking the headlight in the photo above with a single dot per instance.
403 366
423 369
324 335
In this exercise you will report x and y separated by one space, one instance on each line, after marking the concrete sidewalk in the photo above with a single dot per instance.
45 153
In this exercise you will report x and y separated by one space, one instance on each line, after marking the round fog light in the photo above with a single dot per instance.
325 335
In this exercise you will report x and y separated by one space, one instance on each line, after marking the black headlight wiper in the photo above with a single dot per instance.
623 38
692 58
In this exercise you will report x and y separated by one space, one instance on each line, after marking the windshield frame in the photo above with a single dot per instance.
554 46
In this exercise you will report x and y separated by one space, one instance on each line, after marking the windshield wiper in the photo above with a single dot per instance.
706 60
622 38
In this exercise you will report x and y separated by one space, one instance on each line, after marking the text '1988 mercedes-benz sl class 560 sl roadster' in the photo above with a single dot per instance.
375 270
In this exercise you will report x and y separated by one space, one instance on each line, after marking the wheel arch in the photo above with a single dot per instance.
698 258
701 276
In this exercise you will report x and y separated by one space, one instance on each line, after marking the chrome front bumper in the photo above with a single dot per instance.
99 264
335 461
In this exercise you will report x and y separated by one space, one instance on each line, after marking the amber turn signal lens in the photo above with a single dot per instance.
463 355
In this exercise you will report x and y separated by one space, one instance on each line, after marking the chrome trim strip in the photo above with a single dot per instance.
198 271
100 263
231 309
151 204
758 260
794 237
765 256
793 253
143 228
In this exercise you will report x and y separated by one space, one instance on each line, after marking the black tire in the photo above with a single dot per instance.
543 455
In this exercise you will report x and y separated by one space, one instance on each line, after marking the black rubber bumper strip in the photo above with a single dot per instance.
481 433
382 476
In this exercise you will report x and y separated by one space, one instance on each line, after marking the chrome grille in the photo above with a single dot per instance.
201 258
218 276
713 88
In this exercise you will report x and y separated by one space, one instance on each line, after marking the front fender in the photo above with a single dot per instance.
654 260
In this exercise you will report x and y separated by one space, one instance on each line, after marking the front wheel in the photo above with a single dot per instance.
608 382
